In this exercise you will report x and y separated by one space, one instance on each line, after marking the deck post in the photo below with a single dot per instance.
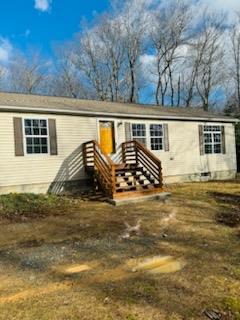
113 175
123 152
160 176
94 155
136 152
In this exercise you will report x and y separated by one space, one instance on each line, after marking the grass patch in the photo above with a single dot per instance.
236 272
233 305
16 206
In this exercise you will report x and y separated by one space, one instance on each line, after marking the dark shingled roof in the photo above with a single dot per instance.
38 103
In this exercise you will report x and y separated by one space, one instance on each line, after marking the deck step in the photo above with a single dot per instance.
128 177
125 167
135 188
138 174
137 197
131 178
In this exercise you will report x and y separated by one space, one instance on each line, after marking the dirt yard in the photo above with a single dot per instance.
105 263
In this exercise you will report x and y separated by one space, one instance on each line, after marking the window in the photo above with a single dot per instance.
156 136
36 136
139 132
212 139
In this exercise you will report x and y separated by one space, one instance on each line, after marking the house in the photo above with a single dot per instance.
52 143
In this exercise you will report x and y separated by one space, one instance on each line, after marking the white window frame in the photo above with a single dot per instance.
141 137
156 137
213 143
35 136
148 135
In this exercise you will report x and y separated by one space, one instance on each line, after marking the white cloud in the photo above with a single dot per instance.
147 59
182 51
42 5
229 5
5 50
27 33
148 66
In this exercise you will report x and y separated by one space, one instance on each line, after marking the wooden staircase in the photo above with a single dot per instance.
140 172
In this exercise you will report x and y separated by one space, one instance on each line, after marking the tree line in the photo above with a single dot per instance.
170 54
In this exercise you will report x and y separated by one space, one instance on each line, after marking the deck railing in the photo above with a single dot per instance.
103 166
134 152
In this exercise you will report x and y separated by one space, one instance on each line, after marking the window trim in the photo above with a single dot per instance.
146 131
162 136
148 135
212 138
25 137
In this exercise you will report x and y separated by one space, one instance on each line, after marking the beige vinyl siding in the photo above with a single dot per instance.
184 157
72 131
35 169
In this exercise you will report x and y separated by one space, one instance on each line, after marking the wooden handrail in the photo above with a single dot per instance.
99 147
144 158
104 167
148 153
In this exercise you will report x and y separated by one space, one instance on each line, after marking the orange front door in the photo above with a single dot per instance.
106 130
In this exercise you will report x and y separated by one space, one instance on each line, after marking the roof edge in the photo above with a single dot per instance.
18 109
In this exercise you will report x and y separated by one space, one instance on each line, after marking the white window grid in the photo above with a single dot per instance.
212 139
154 142
139 132
156 136
36 129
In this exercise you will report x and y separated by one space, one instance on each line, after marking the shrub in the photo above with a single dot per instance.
15 205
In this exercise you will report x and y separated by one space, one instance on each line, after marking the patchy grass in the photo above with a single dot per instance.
233 304
79 265
28 205
230 204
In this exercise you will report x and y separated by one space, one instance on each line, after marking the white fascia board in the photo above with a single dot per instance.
106 114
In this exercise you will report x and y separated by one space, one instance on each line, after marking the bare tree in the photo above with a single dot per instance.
235 55
66 80
111 36
209 74
108 54
106 60
89 59
135 23
27 74
204 54
169 32
3 74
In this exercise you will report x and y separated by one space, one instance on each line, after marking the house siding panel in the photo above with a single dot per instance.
44 169
182 162
183 157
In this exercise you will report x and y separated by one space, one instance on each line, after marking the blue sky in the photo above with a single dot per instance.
42 23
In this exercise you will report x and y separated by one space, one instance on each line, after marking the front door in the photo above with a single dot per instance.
106 136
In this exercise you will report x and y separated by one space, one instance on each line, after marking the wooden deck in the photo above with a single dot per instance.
139 173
